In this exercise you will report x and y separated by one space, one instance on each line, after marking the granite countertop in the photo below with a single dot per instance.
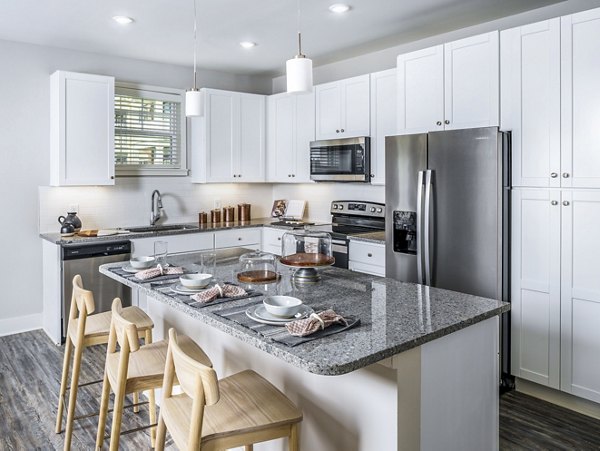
395 316
371 237
189 228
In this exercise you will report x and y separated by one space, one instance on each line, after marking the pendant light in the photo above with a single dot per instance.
299 69
193 97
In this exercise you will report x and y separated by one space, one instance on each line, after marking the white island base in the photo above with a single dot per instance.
442 395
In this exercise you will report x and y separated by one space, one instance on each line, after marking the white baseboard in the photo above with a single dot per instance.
18 324
559 398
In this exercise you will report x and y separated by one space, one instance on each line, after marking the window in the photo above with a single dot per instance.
149 131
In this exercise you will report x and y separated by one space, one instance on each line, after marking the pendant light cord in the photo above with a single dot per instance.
300 55
195 43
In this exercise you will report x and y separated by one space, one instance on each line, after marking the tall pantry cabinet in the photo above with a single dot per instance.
550 77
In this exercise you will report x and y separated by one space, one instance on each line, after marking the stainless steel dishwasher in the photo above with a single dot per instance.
85 259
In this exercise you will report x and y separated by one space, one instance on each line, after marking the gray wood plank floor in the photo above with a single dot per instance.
30 367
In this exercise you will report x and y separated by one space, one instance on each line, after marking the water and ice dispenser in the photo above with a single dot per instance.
405 232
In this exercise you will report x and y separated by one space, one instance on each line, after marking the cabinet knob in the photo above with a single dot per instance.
342 130
293 175
446 122
438 123
372 175
566 203
337 131
112 177
554 175
565 175
369 255
234 175
239 238
278 238
289 175
554 202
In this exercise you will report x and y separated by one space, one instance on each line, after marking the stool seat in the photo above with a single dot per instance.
147 365
249 406
98 324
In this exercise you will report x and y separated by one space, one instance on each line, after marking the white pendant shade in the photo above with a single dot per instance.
193 103
299 75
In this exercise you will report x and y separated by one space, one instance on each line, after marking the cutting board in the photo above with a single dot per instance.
102 232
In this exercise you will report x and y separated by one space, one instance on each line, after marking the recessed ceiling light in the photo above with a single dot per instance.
339 8
123 20
248 44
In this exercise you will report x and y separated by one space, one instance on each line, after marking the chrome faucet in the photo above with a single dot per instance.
155 208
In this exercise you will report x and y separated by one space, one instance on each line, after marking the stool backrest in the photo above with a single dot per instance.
124 332
82 300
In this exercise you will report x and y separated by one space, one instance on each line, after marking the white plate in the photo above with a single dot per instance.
259 314
180 289
131 269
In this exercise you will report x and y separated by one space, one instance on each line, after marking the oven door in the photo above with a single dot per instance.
344 160
340 252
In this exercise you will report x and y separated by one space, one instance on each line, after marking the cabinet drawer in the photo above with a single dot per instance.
366 268
237 237
176 243
368 253
272 237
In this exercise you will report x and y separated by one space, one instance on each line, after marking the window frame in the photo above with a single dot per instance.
163 93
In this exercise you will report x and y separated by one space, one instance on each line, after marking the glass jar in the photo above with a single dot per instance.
257 268
306 250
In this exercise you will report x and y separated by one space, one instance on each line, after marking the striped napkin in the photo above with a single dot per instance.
218 291
314 323
151 273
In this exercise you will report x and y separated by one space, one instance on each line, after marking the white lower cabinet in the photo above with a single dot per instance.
176 244
271 240
556 289
249 238
366 257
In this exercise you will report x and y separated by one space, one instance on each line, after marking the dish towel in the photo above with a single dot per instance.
219 291
158 271
314 323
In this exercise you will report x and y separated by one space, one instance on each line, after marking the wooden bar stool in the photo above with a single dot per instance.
83 330
239 410
133 369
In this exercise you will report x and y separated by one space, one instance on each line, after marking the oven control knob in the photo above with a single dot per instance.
335 206
379 210
341 207
372 209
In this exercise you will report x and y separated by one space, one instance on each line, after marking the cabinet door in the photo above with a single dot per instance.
280 137
383 120
304 123
82 129
580 294
472 82
535 291
249 160
421 90
356 118
328 98
530 78
222 134
580 90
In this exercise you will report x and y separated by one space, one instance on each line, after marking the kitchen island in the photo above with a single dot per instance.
419 372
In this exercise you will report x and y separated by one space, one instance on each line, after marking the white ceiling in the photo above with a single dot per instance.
162 30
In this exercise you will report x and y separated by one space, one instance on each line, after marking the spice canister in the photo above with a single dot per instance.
215 215
229 214
202 218
243 212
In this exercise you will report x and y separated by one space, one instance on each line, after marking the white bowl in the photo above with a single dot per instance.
142 262
284 306
195 280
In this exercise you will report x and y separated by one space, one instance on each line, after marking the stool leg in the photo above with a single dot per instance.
63 384
73 396
115 431
248 447
136 399
160 435
152 400
294 440
103 412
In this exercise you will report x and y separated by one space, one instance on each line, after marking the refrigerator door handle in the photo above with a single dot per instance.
428 235
420 228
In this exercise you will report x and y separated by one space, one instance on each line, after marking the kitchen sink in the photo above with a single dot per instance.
161 228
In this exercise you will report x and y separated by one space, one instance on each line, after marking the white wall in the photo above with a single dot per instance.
386 59
24 148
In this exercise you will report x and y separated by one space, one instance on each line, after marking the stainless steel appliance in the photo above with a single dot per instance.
85 259
341 160
447 201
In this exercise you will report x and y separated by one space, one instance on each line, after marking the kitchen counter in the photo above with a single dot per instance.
190 228
371 237
395 316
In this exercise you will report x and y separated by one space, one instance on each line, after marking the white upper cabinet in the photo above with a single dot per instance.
530 87
383 120
82 123
535 286
342 108
580 93
580 294
290 129
450 86
228 142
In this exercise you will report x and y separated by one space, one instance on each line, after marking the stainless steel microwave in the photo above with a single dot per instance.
341 160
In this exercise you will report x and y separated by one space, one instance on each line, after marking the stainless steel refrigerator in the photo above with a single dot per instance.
447 216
